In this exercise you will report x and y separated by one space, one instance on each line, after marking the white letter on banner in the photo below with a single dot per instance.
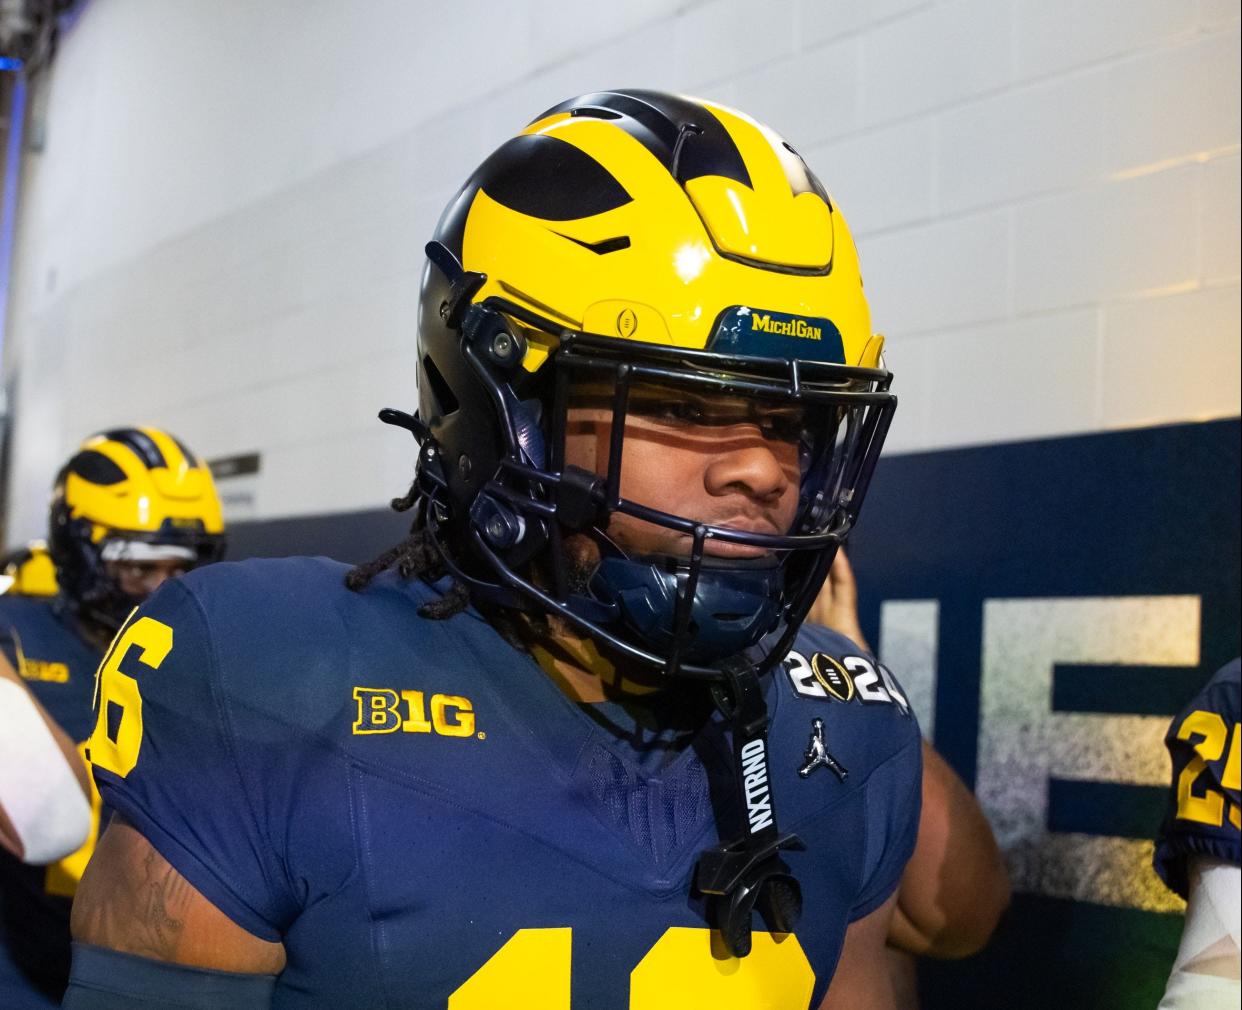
909 638
1023 743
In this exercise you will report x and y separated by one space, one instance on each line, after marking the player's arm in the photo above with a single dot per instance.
861 981
132 900
180 905
1207 970
44 795
955 887
836 607
140 929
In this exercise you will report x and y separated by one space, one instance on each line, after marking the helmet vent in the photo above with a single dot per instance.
604 246
96 468
446 402
140 444
592 112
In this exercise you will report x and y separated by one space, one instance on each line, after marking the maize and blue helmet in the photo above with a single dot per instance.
624 239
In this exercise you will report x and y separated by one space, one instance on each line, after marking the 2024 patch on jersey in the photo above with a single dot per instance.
425 820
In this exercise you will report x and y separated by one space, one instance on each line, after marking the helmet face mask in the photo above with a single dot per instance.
681 612
630 247
131 497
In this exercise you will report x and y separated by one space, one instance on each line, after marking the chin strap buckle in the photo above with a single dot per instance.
748 874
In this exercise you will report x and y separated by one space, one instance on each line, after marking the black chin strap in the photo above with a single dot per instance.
748 873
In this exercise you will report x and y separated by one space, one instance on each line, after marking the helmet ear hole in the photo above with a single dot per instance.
446 402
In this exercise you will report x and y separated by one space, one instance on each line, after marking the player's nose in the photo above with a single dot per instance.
749 465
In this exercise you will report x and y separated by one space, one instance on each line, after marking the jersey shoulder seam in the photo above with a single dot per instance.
216 686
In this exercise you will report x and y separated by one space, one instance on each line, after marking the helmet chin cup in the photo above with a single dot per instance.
733 607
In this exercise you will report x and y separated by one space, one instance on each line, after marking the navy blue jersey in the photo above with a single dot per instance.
419 814
1204 810
41 642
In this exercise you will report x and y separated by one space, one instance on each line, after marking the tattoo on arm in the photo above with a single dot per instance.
139 905
131 899
163 893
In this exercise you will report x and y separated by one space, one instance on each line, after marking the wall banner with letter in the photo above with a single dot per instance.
1049 606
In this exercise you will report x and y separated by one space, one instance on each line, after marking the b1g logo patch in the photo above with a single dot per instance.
844 680
383 710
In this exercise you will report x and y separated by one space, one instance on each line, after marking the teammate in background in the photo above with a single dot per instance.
1197 851
955 887
131 508
28 571
546 752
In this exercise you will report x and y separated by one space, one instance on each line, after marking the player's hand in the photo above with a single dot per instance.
837 604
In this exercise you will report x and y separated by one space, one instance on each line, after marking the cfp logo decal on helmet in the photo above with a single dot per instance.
844 680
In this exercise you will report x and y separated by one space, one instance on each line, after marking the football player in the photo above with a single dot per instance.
565 745
130 509
1198 854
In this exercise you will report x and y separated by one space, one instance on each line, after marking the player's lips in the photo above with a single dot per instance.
720 549
743 524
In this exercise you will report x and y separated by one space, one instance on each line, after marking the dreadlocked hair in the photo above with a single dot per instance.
417 556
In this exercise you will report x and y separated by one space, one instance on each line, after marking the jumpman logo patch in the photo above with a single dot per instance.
817 755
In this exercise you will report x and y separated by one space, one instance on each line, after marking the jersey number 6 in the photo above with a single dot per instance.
118 721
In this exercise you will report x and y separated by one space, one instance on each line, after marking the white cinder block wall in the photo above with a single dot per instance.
222 232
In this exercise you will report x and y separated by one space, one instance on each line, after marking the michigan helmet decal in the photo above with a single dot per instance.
628 239
130 494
